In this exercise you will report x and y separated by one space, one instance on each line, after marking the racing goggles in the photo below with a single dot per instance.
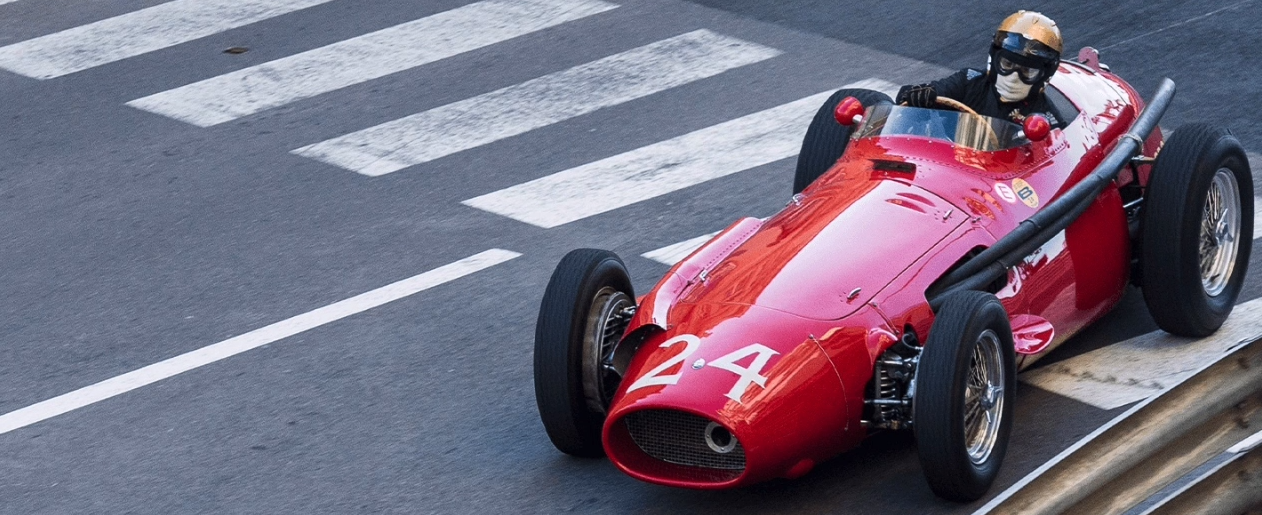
1027 74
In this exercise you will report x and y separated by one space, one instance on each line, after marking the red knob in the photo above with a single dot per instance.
849 111
1036 127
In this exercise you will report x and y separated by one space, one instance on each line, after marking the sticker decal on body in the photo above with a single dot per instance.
1005 192
1025 192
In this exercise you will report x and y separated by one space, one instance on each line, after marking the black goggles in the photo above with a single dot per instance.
1027 74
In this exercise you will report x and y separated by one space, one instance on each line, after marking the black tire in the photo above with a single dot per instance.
826 139
966 320
571 413
1170 245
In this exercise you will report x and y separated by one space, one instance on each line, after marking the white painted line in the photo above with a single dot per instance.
360 59
884 86
516 109
657 169
1151 362
671 254
119 385
136 33
1257 217
1247 444
2 2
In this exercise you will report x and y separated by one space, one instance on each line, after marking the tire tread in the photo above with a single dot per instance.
572 427
826 139
944 362
1172 286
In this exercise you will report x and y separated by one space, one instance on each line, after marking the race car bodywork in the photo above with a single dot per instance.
783 342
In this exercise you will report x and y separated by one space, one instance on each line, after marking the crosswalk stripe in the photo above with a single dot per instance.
884 86
1152 361
345 63
516 109
136 33
671 254
657 169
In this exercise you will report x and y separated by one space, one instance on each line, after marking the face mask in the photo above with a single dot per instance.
1010 88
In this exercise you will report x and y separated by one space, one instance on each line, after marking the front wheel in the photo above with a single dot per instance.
584 312
965 385
1197 230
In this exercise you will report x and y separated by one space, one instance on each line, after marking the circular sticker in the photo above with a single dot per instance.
1005 193
1025 192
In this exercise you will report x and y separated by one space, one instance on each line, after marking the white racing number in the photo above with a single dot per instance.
745 375
653 378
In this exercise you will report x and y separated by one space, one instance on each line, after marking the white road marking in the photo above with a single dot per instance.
674 253
657 169
136 33
884 86
360 59
138 378
1257 217
1153 361
671 254
1247 444
516 109
1140 367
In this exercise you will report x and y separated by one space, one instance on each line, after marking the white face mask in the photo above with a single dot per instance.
1010 87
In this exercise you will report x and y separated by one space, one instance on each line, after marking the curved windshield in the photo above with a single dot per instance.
968 130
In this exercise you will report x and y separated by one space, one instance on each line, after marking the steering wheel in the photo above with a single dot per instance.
956 105
953 104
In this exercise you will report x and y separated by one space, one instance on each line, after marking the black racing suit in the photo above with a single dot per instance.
976 89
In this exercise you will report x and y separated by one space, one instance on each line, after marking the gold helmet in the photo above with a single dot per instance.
1031 40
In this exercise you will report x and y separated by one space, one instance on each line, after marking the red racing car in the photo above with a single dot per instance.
926 256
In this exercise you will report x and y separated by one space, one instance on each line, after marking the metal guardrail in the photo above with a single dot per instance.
1159 441
1231 488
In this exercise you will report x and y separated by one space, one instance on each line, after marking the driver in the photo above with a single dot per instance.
1025 53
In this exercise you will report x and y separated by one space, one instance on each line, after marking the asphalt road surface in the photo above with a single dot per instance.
159 195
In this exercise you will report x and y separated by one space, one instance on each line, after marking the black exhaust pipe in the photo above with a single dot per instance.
993 263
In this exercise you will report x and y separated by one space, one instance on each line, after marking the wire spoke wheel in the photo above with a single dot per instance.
1196 230
1220 232
962 409
983 399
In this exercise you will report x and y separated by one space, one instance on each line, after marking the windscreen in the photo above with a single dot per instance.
967 130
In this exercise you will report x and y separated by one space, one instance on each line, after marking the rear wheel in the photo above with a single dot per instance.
1197 230
965 385
584 312
826 139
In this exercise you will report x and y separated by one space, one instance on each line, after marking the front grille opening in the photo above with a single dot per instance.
685 439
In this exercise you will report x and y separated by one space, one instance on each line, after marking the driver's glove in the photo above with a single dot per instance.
921 95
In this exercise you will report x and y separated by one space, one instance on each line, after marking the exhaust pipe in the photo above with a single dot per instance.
719 439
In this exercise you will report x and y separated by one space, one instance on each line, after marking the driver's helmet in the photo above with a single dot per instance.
1028 44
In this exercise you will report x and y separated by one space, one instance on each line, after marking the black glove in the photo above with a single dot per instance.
921 95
